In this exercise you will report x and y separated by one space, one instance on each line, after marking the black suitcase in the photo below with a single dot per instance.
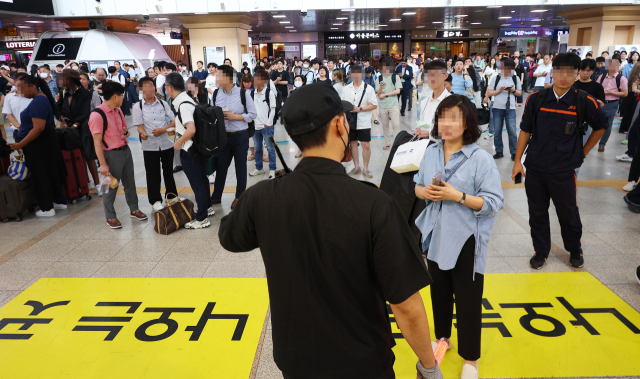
16 196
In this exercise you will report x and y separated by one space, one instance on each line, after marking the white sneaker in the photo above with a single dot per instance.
630 186
256 172
91 185
624 158
197 224
212 178
59 206
210 212
157 206
469 372
49 213
272 174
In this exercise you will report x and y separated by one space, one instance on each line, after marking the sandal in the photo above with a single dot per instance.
376 122
251 157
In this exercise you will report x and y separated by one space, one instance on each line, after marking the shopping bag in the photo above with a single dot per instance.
408 156
18 169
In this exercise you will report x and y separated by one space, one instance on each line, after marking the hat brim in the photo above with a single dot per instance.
347 106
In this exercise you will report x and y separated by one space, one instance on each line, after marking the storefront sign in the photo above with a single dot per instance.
18 45
282 37
11 31
525 33
558 32
58 49
175 35
358 36
452 33
133 328
291 48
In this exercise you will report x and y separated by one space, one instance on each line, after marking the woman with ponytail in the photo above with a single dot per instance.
37 138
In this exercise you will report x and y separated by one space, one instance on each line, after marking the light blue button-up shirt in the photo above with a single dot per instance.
233 103
447 225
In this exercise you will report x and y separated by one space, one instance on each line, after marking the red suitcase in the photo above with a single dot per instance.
4 164
77 184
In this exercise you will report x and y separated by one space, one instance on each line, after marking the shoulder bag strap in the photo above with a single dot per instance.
364 90
460 164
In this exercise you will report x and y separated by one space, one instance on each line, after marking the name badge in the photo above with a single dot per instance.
406 72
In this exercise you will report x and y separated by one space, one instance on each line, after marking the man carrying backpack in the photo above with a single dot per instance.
193 163
552 126
504 88
615 88
264 99
389 87
239 112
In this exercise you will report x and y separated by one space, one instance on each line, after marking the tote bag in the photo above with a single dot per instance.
18 169
408 156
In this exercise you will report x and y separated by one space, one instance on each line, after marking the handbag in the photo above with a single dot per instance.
483 115
18 169
175 215
409 156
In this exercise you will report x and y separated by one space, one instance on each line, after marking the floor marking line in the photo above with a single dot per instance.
256 359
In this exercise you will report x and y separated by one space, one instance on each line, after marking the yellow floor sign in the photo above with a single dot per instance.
544 325
535 325
133 328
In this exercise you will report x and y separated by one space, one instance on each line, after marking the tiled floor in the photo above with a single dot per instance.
78 243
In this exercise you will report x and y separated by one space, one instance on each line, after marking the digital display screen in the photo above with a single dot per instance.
43 7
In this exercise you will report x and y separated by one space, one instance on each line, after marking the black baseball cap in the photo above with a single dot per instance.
311 107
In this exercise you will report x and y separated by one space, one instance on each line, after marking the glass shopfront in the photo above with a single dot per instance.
444 43
527 40
366 45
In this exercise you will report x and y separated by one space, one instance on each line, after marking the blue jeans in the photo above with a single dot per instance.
609 110
258 137
501 117
491 131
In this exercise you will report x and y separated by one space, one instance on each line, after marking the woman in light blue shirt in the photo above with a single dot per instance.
461 185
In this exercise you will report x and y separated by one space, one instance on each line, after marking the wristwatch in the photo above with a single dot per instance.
464 197
386 95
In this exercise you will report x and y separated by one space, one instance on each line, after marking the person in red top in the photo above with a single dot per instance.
113 152
612 94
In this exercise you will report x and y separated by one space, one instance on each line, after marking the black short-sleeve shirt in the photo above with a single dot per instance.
557 144
3 85
335 250
593 88
281 87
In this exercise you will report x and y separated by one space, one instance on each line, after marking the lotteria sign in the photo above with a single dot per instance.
19 45
526 33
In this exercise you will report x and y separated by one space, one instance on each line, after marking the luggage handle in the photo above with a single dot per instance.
174 200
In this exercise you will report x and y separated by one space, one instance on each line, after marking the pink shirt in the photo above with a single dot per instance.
115 129
609 84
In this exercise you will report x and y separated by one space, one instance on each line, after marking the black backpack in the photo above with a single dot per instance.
581 111
495 84
87 137
393 78
267 94
243 99
618 78
345 77
211 135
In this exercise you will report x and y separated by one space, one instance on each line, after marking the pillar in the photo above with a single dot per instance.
228 30
602 27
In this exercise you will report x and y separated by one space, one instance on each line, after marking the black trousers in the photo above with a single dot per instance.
194 166
634 149
279 114
561 188
405 93
467 290
153 160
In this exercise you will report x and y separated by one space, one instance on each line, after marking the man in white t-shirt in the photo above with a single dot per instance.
14 104
542 72
115 76
363 98
210 82
436 76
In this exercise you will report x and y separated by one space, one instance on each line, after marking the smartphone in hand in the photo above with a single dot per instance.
437 180
518 178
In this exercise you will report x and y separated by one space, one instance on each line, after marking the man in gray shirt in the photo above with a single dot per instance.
153 118
239 110
504 87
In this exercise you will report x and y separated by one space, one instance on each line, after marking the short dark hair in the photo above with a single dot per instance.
509 63
307 60
227 59
170 66
46 66
112 69
314 138
472 133
588 55
214 65
245 63
199 62
114 62
145 79
112 88
600 59
60 65
227 70
262 74
567 60
588 64
449 79
437 65
176 81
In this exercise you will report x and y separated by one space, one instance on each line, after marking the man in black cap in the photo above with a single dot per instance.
332 268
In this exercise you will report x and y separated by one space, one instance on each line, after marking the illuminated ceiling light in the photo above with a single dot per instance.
202 13
289 27
539 10
35 22
163 19
348 10
495 6
476 23
334 28
23 26
418 27
382 25
342 18
536 19
279 16
352 22
338 23
513 11
504 17
408 13
462 15
535 26
292 31
284 22
395 19
506 24
437 22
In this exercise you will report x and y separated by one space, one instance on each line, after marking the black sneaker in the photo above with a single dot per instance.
537 261
498 156
633 207
402 114
638 274
513 157
576 260
177 169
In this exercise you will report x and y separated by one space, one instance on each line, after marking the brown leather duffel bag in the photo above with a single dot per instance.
174 215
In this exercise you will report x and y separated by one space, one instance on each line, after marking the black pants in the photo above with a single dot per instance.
634 149
152 162
194 167
405 93
467 290
279 114
561 188
236 150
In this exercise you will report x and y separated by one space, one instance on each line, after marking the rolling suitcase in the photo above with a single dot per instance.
77 183
16 197
5 162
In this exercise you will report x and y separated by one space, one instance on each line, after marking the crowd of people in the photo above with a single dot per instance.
329 108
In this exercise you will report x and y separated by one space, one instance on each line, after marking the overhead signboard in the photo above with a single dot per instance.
357 36
133 328
526 32
9 32
570 321
58 49
17 45
452 34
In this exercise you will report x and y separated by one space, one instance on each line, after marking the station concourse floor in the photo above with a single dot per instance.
77 243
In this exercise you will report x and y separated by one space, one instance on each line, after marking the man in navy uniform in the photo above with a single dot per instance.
555 151
406 75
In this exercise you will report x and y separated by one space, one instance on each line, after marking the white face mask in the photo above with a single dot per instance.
44 75
93 77
298 84
75 68
305 65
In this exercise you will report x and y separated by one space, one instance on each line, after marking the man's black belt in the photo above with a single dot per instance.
610 101
229 134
